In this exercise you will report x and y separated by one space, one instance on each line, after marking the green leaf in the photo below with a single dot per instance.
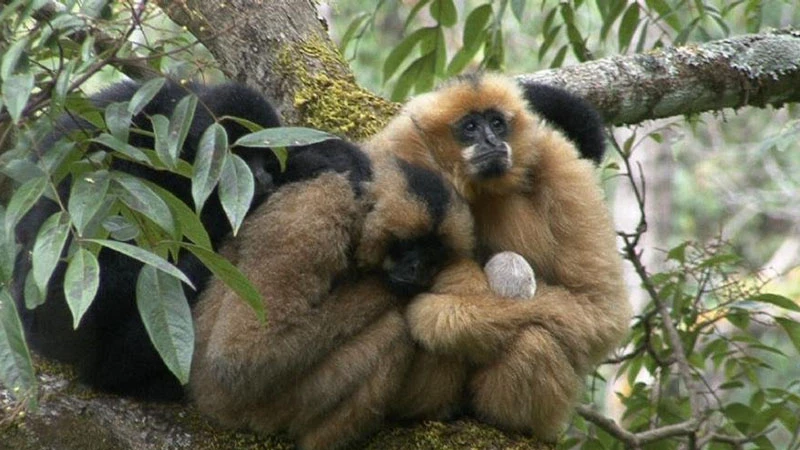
777 300
120 228
81 282
22 200
231 276
17 90
16 367
163 149
140 254
666 13
63 82
283 137
408 79
616 8
167 318
139 197
185 217
352 29
8 249
87 198
11 57
48 247
792 329
444 12
414 11
630 20
181 122
118 120
236 189
401 52
678 253
475 25
33 296
558 60
518 9
461 59
145 94
211 154
114 143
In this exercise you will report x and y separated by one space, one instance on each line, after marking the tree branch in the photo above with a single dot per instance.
750 70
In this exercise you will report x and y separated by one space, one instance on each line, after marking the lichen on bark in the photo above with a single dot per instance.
329 98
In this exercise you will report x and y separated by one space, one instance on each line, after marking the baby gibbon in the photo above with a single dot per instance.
336 266
530 192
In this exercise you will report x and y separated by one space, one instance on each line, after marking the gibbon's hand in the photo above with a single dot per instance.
510 276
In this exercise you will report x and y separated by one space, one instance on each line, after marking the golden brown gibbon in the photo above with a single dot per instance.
335 264
530 192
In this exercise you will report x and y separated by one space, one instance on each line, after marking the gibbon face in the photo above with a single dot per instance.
479 129
416 225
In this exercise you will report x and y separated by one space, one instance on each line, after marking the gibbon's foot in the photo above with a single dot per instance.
510 276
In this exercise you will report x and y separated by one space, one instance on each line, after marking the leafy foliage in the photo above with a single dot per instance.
52 57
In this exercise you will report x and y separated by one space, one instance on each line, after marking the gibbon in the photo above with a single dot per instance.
530 192
111 348
336 266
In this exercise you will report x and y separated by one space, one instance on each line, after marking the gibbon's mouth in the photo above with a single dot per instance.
490 164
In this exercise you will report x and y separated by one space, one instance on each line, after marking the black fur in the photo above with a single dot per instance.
573 115
111 348
428 187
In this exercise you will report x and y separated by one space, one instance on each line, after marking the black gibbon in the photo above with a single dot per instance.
530 192
336 266
111 348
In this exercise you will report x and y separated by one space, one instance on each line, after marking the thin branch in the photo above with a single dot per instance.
637 440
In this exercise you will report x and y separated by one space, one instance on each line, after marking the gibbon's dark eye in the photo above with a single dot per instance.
469 126
498 124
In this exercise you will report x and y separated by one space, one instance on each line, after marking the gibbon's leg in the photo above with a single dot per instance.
530 388
434 388
384 352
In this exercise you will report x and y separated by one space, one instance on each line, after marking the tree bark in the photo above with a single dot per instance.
751 70
72 418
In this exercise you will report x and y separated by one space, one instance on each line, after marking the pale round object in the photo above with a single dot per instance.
510 276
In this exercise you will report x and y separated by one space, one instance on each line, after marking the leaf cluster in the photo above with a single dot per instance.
69 152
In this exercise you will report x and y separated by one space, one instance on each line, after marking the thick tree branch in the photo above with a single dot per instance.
751 70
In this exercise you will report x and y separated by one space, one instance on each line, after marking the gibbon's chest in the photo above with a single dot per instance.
516 222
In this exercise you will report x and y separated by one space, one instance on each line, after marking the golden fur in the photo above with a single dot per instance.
523 362
332 355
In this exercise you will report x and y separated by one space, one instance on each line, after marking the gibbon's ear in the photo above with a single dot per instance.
572 115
